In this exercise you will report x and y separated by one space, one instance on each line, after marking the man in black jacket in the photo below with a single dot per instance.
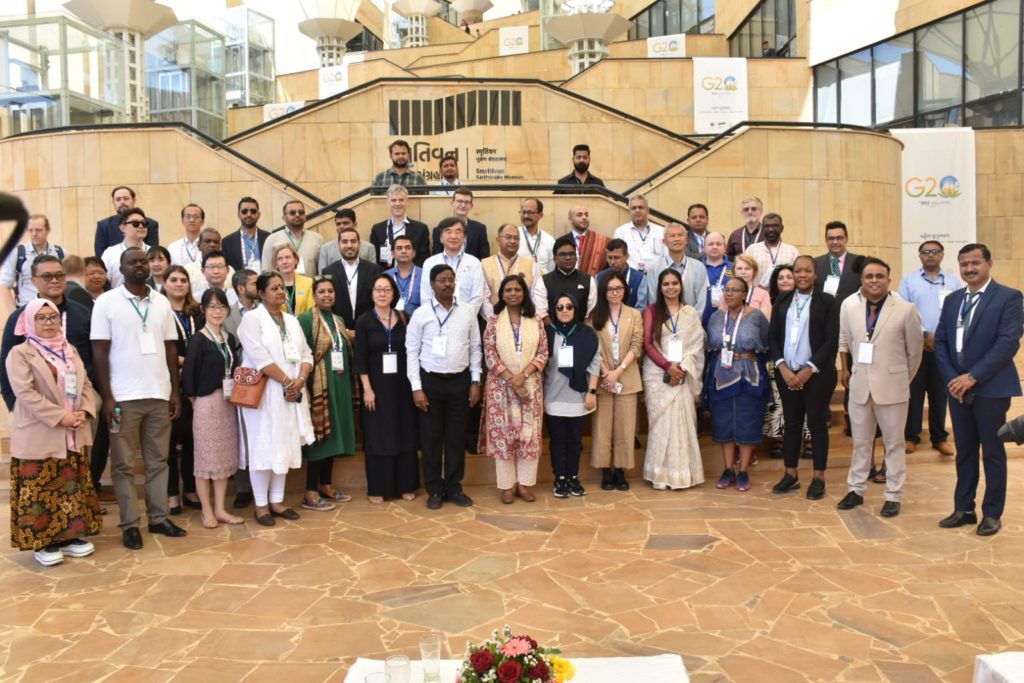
108 230
353 280
476 232
244 247
383 234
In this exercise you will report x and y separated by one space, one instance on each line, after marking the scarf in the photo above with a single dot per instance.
506 341
582 339
55 351
325 325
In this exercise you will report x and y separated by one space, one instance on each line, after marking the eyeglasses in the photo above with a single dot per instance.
616 290
750 209
566 254
565 307
382 290
463 201
244 211
215 266
50 277
47 319
216 307
839 238
527 212
135 224
296 212
931 252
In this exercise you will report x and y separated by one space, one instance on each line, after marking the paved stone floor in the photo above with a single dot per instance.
748 587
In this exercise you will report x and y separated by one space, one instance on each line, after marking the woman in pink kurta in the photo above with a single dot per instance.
515 351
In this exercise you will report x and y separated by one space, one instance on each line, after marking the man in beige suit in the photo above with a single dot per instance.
881 334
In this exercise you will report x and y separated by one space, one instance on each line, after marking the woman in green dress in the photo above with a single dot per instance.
330 398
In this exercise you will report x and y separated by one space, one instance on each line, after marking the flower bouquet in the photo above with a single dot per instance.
506 658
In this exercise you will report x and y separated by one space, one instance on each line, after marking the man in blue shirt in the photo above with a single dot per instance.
617 254
927 288
719 272
406 274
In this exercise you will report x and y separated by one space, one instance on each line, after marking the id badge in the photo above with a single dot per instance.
959 338
147 343
227 385
439 349
255 265
390 364
385 254
338 361
942 297
401 304
831 285
794 335
716 295
725 359
71 385
675 351
865 353
615 350
565 356
291 352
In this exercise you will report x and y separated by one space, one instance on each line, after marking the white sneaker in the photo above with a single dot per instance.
79 548
49 556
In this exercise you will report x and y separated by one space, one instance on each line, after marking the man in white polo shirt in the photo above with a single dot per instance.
136 364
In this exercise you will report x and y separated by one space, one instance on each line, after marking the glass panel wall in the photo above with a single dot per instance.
855 81
826 93
668 17
769 31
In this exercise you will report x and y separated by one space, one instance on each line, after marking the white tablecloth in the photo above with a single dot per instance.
1006 667
659 669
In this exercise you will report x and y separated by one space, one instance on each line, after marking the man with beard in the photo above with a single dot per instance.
399 173
771 252
449 168
353 281
751 209
108 230
534 242
581 174
244 247
305 242
590 246
133 234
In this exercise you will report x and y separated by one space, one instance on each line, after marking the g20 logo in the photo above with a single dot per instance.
947 187
727 83
513 42
665 48
330 77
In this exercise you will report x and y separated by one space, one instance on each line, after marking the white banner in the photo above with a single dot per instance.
938 190
667 46
513 40
279 109
719 93
334 79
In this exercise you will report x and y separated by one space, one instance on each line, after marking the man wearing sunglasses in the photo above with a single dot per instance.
134 230
244 247
306 242
108 230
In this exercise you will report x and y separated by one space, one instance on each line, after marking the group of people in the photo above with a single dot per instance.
435 346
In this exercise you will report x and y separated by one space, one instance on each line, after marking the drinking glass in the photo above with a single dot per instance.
430 654
399 668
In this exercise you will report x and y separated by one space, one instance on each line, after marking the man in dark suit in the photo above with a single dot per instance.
353 281
476 232
617 253
978 335
244 247
108 230
383 234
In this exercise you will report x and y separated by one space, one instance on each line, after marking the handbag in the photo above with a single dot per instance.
248 389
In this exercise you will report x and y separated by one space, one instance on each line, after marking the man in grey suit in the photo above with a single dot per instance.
692 271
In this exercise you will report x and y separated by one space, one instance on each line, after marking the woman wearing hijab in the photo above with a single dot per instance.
570 391
53 501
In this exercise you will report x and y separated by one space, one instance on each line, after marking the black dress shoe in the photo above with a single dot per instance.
958 519
167 528
620 480
287 513
989 526
461 499
189 503
890 508
607 479
132 538
850 501
243 500
434 501
787 483
816 491
265 519
176 510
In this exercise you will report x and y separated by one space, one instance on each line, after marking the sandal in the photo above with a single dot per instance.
230 519
879 476
287 513
375 500
319 505
336 495
210 523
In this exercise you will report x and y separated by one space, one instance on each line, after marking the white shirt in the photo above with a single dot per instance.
469 279
184 251
541 248
200 285
351 279
462 335
450 188
23 280
538 293
645 246
133 374
111 258
769 258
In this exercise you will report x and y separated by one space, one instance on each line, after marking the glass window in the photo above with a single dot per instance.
825 92
855 88
894 79
939 67
993 112
673 20
657 13
943 118
643 29
993 35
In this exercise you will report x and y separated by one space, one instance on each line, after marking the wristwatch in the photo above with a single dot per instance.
475 383
592 391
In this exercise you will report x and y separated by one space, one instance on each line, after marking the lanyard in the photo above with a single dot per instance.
731 344
750 293
63 357
674 322
189 253
966 308
745 236
868 323
774 257
408 282
142 316
284 329
615 323
251 247
222 346
392 232
799 308
288 234
290 291
458 263
440 323
565 337
721 273
184 331
387 328
515 332
536 242
333 334
510 264
941 281
642 235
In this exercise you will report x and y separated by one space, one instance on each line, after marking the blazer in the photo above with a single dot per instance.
990 343
477 243
849 279
304 300
898 344
36 433
631 338
234 250
822 329
108 233
366 271
417 232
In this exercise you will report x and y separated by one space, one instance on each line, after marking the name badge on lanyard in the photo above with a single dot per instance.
716 294
147 343
385 254
439 348
565 356
390 363
401 304
615 349
831 284
227 385
71 385
291 351
725 358
675 350
338 361
865 353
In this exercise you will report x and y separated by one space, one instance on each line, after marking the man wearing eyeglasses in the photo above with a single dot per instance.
186 250
476 232
244 247
134 230
16 287
927 288
751 208
534 242
306 242
216 273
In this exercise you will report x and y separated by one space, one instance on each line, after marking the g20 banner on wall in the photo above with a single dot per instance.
938 191
513 40
279 109
667 46
720 96
334 79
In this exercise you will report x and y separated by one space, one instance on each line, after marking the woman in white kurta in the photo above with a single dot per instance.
273 434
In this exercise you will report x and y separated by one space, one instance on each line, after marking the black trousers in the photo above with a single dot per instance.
927 381
180 456
318 473
99 452
443 431
566 444
812 402
391 476
974 428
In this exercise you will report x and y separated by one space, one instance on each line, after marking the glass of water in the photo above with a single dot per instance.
399 668
377 678
430 655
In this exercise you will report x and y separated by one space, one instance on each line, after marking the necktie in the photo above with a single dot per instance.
872 317
972 299
834 265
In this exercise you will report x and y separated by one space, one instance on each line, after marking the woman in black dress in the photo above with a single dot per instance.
389 416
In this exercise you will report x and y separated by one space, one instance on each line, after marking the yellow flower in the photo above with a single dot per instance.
564 670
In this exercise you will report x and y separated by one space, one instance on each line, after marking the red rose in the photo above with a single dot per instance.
482 660
533 643
540 670
509 672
